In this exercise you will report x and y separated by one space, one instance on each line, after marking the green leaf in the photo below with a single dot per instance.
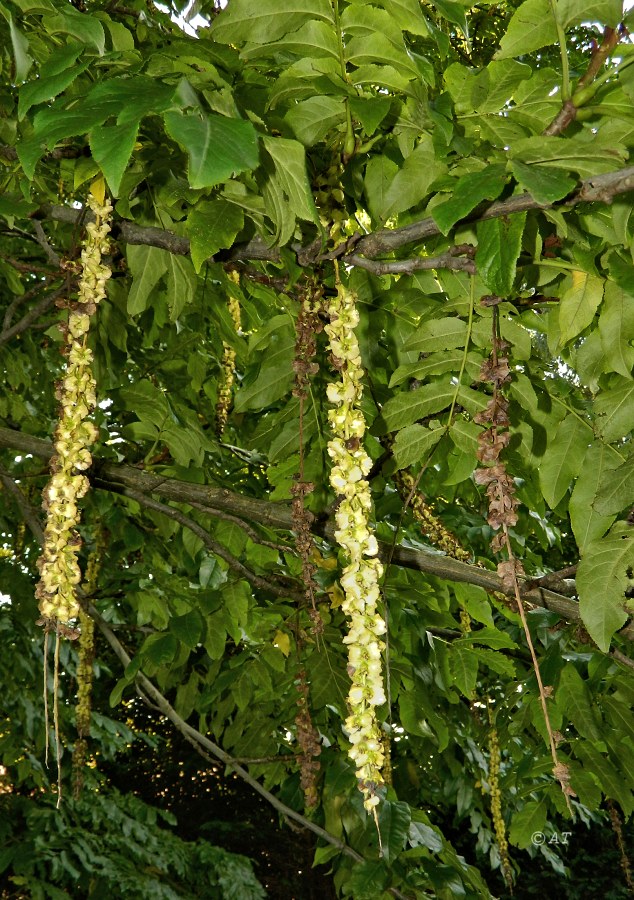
188 628
46 87
532 27
464 668
490 637
275 375
616 491
408 407
588 521
616 327
286 191
216 635
22 59
544 183
394 822
408 15
499 246
268 21
147 401
147 265
501 80
181 284
615 411
368 880
235 598
373 48
14 206
218 147
185 444
379 174
159 649
580 153
411 183
612 784
435 364
111 147
602 579
212 225
316 39
576 12
575 702
312 119
412 444
469 191
421 834
82 26
370 111
563 459
578 305
527 822
329 683
620 715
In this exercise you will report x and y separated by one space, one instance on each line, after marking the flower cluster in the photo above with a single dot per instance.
58 566
360 578
228 367
499 826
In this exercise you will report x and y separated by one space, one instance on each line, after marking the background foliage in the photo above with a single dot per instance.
444 152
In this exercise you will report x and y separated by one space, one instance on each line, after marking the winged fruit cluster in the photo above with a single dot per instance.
360 578
58 566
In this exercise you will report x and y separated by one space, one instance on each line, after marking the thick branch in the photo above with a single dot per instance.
596 189
407 266
278 515
157 237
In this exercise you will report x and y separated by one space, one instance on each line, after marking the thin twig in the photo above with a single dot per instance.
27 511
27 320
256 580
559 770
236 520
41 238
568 111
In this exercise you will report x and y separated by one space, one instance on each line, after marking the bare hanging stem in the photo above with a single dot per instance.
502 514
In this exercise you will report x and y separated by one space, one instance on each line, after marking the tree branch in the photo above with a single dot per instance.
278 515
407 266
33 314
28 512
206 747
257 581
596 189
202 743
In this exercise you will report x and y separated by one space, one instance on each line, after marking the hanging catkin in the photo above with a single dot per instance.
361 577
58 565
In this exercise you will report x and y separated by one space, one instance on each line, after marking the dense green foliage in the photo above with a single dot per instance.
444 153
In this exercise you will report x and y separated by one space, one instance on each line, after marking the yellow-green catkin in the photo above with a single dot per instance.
499 825
74 435
361 577
228 368
430 525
